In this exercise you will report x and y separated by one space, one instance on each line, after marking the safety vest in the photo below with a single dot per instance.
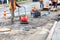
12 5
55 0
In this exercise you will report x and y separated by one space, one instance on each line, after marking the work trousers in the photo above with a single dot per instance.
41 5
12 16
55 4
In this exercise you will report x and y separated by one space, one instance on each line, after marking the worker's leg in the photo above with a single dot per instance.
56 4
41 5
52 3
12 16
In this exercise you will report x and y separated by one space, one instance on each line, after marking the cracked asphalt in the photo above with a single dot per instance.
37 29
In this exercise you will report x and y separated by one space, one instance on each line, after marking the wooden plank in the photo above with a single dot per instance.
5 30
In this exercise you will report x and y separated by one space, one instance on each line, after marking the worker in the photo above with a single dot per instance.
47 5
55 3
33 8
12 8
41 4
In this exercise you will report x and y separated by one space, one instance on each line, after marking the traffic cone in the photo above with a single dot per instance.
5 13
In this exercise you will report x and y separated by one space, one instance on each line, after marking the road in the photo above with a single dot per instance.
26 5
33 23
39 33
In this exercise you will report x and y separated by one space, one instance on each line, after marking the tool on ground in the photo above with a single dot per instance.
23 18
5 30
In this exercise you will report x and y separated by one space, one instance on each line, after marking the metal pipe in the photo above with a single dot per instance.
24 9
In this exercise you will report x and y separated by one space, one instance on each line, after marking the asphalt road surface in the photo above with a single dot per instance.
33 22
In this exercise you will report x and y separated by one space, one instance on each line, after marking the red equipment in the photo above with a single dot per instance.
23 18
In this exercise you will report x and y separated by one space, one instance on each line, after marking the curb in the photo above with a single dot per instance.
51 31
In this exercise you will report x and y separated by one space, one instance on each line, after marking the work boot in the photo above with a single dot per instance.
12 22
